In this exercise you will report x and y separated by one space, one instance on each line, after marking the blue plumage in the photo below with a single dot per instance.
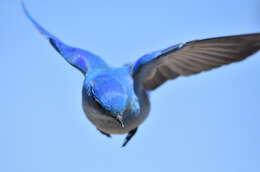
75 56
153 56
110 94
115 100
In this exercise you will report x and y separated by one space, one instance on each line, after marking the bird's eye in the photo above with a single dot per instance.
98 104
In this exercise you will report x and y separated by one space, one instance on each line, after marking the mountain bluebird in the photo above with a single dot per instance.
115 100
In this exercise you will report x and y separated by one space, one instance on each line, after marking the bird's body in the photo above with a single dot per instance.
116 87
116 100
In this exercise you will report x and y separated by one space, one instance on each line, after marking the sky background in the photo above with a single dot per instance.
204 123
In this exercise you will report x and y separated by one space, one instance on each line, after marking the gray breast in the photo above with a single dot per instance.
104 122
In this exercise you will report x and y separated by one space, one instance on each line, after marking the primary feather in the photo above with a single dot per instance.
193 57
79 58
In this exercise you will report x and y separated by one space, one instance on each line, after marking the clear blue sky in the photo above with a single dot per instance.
204 123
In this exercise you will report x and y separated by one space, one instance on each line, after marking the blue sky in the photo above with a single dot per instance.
207 122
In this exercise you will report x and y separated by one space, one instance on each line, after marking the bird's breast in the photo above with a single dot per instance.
132 117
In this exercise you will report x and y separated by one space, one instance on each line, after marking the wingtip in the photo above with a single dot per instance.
22 4
26 12
44 32
25 9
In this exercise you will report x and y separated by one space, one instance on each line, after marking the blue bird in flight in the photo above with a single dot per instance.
116 100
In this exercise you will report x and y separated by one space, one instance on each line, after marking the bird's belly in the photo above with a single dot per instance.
109 125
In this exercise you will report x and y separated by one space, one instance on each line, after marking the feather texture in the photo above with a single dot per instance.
79 58
194 57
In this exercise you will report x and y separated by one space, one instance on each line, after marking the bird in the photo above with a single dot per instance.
116 99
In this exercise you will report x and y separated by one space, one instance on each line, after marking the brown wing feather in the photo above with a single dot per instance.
198 56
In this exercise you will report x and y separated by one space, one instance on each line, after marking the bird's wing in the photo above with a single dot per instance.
81 59
193 57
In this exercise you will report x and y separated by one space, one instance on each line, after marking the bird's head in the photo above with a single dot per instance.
110 96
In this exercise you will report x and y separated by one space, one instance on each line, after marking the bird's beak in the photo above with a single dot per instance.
120 120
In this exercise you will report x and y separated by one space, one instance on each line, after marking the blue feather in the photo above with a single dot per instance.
153 56
81 59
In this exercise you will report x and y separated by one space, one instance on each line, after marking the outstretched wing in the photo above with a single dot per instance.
81 59
193 57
